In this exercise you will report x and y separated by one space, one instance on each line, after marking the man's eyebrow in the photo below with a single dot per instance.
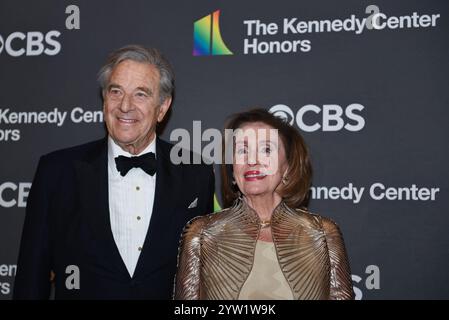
146 90
117 86
114 85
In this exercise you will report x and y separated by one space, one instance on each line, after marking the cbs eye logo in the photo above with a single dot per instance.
284 112
328 117
32 43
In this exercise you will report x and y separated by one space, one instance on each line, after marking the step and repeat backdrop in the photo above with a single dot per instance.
365 82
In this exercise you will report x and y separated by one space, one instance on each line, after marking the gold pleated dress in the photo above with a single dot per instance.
218 253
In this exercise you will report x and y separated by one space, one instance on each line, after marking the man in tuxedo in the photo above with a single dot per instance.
105 218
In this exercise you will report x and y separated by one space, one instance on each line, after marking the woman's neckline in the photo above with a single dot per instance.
265 242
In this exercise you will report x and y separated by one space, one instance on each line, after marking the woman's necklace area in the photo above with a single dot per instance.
265 223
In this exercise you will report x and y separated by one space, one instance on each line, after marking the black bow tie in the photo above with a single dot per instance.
147 162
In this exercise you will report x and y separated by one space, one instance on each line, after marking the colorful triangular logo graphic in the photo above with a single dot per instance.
207 38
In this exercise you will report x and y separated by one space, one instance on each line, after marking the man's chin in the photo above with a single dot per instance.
123 142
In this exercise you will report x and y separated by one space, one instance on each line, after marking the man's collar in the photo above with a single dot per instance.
114 150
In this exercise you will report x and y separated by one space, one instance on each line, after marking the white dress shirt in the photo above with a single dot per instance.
131 201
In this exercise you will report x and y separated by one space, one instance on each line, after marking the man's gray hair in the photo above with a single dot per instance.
143 55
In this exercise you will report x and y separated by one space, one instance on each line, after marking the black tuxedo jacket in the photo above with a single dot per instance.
67 224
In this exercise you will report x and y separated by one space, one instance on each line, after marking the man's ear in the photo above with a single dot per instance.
163 108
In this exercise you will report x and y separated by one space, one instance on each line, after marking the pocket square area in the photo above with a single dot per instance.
193 204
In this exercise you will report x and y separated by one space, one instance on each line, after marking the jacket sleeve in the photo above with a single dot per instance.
32 280
341 283
188 276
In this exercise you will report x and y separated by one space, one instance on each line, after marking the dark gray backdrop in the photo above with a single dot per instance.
398 249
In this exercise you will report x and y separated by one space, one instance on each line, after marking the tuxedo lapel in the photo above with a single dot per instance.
92 174
168 185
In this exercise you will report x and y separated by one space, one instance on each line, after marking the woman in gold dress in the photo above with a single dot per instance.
265 245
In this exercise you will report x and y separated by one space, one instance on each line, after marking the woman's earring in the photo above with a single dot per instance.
239 194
